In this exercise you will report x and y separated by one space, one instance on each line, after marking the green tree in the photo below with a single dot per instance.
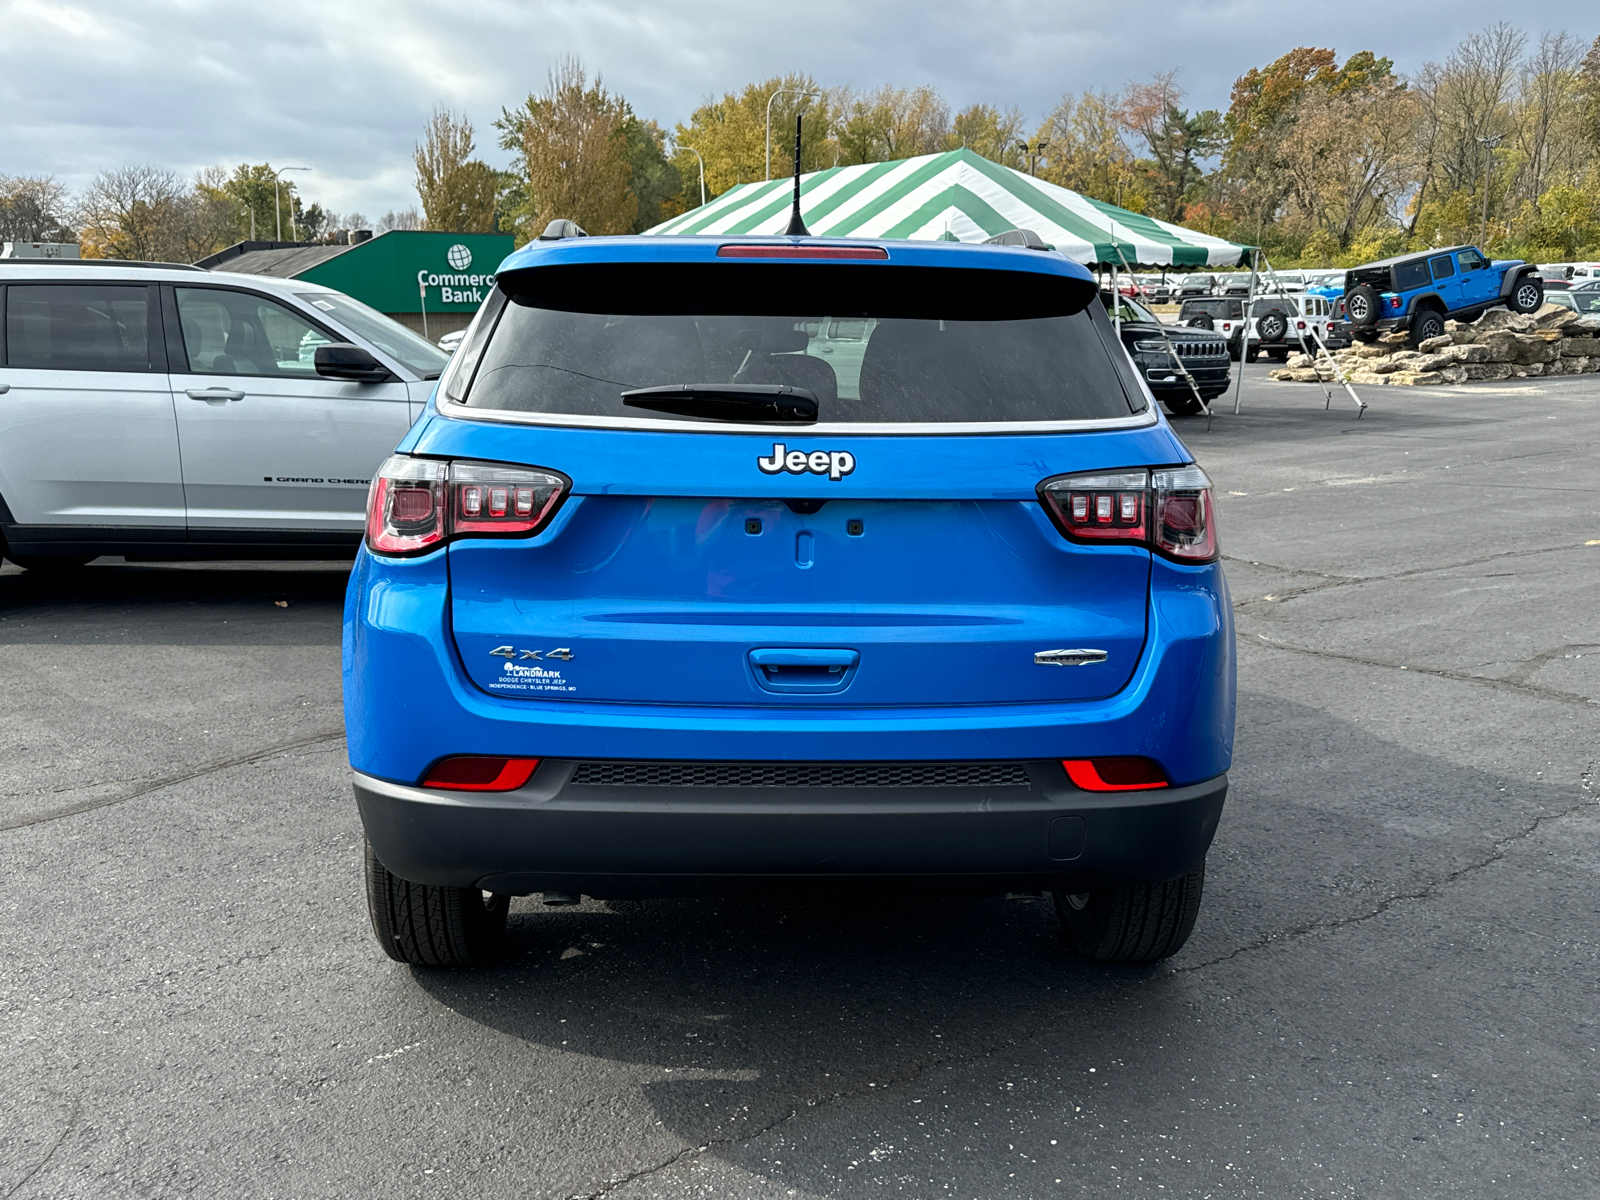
653 177
457 191
573 143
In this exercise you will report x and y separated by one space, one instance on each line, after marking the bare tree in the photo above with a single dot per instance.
33 209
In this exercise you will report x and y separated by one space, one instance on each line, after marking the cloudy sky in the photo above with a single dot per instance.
344 87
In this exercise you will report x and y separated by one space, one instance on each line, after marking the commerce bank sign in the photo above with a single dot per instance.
457 287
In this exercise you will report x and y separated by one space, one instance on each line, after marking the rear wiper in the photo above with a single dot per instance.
729 401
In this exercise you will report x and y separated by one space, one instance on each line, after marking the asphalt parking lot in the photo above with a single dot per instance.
1391 990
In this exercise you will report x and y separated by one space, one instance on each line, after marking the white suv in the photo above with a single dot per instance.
162 412
1279 325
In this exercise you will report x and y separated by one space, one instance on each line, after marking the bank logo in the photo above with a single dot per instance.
459 257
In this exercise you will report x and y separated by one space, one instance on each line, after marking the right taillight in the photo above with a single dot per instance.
418 504
1169 510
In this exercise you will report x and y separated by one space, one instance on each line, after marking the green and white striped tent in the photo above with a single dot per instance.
957 196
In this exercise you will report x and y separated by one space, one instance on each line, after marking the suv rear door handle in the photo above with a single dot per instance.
215 395
4 388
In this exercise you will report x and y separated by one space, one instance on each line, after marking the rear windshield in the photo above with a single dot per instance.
876 360
1214 308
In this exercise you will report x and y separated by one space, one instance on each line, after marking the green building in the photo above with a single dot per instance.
430 282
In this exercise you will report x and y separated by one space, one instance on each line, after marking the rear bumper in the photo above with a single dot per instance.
630 841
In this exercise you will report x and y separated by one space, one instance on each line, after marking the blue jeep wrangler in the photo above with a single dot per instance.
1416 292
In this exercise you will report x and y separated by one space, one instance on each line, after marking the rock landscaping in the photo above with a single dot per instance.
1499 345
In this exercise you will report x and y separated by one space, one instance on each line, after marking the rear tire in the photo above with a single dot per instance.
1182 406
430 926
1132 922
1429 323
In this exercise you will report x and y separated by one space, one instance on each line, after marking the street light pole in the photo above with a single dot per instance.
696 153
770 99
1033 153
1489 143
277 204
249 209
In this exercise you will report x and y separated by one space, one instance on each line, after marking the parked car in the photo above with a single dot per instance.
164 412
1585 300
1204 354
451 342
1281 325
1161 290
1195 285
1417 292
1237 284
653 603
1222 314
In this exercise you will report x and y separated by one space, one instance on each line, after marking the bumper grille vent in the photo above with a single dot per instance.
756 775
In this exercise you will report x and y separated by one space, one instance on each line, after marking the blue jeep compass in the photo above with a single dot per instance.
782 565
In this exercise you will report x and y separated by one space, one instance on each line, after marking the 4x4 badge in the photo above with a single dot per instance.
835 464
508 653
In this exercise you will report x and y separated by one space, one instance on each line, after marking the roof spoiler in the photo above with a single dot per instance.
1018 237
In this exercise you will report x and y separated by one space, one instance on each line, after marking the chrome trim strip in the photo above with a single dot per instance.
460 412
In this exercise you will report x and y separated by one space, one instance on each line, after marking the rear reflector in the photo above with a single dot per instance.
480 773
784 250
1122 774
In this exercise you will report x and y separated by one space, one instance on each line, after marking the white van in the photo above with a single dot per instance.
163 412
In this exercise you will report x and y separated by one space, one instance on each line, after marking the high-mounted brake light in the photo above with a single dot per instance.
1170 510
785 250
480 773
1118 774
418 504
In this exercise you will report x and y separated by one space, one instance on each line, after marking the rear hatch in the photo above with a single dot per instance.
892 553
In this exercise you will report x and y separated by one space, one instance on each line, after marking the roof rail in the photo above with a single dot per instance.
561 228
1018 237
96 262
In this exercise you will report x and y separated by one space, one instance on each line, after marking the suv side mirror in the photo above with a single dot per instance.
341 360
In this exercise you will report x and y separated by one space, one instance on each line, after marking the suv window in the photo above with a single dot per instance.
908 366
1218 308
1443 268
1408 275
387 334
241 333
78 327
1471 260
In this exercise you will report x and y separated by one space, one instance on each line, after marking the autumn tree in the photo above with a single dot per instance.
572 140
731 133
458 191
1174 139
1086 152
989 131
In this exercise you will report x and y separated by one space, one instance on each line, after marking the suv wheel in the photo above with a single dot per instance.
1273 325
1132 922
1528 295
431 926
1202 321
1429 323
1182 406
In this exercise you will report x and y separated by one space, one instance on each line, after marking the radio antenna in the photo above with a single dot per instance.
797 227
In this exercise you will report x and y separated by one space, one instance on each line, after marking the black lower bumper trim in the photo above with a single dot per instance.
624 842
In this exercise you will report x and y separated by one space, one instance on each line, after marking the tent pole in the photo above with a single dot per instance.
1244 334
1172 352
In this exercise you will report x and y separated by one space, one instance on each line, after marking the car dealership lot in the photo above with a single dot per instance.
1390 990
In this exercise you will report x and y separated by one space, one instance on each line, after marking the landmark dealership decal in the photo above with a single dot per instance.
458 287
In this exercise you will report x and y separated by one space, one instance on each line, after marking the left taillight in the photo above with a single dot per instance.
480 773
418 504
1168 510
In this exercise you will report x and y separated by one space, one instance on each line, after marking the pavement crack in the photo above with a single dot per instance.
1506 684
72 1121
1496 852
1333 581
210 768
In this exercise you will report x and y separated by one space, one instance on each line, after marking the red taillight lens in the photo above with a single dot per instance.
417 504
1120 774
1169 510
480 773
786 250
1299 324
1100 508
